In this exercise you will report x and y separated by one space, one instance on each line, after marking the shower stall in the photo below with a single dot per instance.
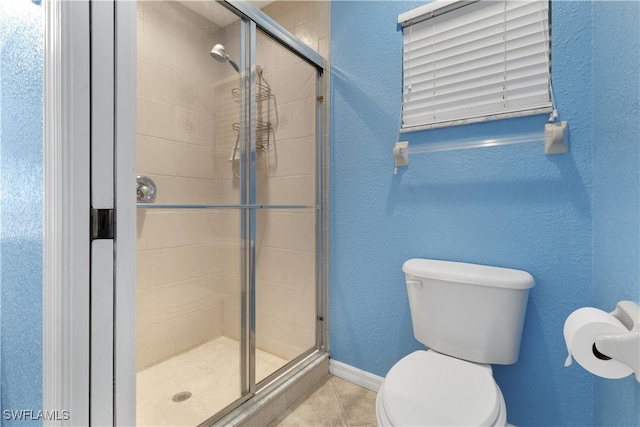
231 209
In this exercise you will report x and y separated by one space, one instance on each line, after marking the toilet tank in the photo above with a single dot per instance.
469 311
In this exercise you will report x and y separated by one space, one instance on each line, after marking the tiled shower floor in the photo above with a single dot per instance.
210 372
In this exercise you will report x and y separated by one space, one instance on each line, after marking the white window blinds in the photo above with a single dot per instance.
473 61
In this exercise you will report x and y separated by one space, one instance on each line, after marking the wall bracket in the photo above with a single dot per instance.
556 137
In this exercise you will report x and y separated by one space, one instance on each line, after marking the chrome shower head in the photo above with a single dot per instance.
219 54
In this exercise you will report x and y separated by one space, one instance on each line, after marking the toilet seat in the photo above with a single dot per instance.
429 388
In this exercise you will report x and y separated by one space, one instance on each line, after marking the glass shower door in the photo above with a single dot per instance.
228 210
190 216
285 182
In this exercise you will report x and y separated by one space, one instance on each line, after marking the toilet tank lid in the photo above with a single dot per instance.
475 274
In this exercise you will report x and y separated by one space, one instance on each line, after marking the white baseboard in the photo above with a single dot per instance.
357 376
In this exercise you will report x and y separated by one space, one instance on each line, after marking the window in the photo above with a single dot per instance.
469 61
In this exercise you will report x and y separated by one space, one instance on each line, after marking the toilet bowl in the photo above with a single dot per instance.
427 388
469 316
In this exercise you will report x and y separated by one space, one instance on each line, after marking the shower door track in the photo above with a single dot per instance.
275 30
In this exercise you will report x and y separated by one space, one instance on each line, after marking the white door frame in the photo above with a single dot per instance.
125 204
67 360
66 203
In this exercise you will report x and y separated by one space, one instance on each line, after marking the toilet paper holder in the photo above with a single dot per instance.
623 347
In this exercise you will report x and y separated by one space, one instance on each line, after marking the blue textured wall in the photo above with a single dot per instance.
616 185
21 38
507 206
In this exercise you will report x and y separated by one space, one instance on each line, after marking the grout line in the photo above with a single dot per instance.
343 414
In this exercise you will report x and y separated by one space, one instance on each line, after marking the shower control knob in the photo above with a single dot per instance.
145 189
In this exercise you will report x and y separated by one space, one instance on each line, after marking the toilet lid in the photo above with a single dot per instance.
428 388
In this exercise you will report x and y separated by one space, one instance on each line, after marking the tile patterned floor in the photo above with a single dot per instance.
336 403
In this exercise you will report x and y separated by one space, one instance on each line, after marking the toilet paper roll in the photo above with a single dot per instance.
580 331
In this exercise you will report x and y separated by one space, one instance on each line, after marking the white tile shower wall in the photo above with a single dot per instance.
189 262
181 253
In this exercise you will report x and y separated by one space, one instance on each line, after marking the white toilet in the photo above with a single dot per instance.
469 316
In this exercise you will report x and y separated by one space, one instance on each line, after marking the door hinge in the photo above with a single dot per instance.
102 224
